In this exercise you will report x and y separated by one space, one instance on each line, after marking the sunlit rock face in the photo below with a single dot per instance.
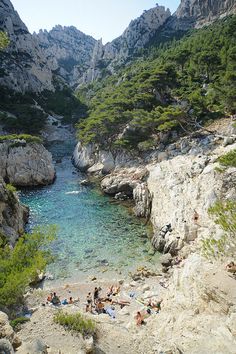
197 13
134 38
68 51
23 64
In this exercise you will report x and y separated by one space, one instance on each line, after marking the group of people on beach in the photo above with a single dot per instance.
98 304
54 299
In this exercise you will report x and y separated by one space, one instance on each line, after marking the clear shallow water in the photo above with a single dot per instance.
95 236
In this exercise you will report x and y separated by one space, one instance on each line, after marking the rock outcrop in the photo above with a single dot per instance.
23 64
183 189
67 50
26 164
205 11
13 215
91 159
197 313
8 339
197 13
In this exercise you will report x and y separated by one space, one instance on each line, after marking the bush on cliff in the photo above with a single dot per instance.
4 40
27 137
20 265
229 159
224 213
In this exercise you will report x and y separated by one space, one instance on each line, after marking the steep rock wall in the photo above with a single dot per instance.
13 215
183 189
26 164
23 64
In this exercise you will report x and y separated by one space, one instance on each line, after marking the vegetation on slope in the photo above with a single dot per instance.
229 159
29 111
28 138
224 213
4 40
19 266
75 322
177 87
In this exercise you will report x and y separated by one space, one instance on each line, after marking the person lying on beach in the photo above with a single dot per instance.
139 319
154 305
110 291
122 303
116 290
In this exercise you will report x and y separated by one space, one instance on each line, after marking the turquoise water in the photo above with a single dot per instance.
95 235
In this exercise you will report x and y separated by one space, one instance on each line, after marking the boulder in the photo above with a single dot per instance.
7 335
26 164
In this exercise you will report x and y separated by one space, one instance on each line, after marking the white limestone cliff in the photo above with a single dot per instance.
23 64
26 164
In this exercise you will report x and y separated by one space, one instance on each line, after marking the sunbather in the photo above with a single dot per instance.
139 319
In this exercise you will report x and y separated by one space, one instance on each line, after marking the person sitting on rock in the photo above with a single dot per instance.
100 307
89 303
49 298
231 267
95 295
55 299
71 301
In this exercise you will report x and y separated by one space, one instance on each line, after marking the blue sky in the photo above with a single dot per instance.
105 19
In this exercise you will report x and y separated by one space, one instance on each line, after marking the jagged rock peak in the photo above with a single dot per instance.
135 37
68 50
139 32
23 62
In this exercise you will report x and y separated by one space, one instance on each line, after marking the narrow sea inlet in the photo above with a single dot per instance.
95 236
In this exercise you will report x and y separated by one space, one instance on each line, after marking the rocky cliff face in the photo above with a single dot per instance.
23 64
13 215
26 164
134 38
197 13
68 51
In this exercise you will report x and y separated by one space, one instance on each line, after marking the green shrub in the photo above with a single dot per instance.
224 213
17 322
75 322
4 40
10 188
27 137
19 266
229 159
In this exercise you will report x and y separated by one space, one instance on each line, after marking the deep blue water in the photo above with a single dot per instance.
95 235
